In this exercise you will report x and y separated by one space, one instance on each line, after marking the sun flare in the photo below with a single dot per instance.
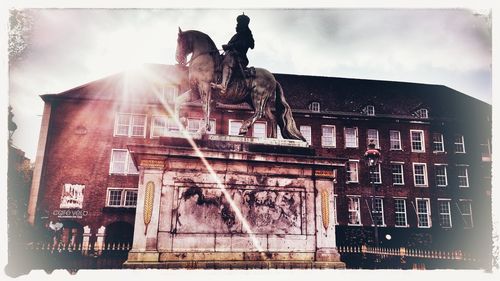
129 47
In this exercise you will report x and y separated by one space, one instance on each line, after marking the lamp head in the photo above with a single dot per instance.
372 155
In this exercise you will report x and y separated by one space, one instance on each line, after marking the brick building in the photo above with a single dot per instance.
433 186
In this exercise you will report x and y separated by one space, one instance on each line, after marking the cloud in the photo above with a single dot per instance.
69 47
451 40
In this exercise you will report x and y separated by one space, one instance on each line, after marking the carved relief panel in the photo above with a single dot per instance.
267 211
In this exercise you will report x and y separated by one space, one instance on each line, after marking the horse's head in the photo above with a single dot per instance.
183 48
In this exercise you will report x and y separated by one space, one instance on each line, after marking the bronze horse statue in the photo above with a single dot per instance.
256 91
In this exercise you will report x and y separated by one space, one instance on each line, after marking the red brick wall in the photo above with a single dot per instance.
85 158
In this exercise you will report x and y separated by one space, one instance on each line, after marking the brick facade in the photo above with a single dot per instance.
83 122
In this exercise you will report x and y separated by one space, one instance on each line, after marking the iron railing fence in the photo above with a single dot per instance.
72 257
367 257
85 249
404 252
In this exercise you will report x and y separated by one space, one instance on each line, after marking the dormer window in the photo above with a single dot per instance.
168 94
369 110
314 106
422 113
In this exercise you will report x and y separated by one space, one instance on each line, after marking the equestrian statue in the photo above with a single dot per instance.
225 79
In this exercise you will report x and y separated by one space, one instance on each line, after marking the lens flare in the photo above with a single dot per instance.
214 176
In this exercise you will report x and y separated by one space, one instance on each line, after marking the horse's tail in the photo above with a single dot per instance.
284 116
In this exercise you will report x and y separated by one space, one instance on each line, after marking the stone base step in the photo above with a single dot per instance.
235 265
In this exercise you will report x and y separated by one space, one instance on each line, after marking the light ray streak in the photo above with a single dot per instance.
214 176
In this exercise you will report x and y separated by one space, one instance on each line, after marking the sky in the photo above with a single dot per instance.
58 49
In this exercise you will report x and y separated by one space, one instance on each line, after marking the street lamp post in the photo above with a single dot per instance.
372 157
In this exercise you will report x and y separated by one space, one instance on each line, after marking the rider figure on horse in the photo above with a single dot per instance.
236 52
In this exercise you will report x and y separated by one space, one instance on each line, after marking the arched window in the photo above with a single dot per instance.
314 106
118 235
119 232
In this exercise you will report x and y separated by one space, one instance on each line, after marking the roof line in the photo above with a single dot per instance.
362 79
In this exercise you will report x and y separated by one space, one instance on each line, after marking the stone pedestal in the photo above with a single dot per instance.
231 202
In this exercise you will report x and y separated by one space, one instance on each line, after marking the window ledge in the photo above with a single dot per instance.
121 174
127 136
109 209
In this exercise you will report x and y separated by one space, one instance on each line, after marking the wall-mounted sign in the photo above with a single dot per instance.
80 130
75 214
72 196
152 164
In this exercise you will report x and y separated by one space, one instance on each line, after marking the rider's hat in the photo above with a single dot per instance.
243 19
